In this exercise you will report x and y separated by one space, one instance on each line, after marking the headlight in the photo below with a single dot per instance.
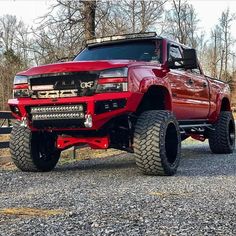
20 79
113 80
114 73
112 87
21 87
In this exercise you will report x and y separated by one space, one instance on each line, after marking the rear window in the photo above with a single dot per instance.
148 50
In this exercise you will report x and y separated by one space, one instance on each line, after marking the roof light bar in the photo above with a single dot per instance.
121 37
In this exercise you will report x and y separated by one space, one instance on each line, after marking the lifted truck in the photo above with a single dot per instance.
140 93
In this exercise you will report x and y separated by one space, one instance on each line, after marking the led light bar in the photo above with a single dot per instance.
42 87
64 108
122 37
79 115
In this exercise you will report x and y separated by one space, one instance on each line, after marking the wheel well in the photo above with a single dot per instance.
156 98
225 105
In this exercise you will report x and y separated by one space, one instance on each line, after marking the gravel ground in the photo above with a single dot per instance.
110 197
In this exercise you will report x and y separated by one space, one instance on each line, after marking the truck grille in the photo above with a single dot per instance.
58 116
57 93
64 85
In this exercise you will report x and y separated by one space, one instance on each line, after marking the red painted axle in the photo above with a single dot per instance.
93 142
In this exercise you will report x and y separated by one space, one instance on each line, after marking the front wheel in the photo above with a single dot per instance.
157 143
33 151
222 137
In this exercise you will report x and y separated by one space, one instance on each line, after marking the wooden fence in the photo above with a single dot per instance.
5 126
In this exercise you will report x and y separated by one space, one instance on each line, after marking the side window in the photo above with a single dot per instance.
174 52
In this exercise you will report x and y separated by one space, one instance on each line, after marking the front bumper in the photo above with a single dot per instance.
101 108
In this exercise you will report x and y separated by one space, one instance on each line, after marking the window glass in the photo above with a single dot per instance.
174 52
148 50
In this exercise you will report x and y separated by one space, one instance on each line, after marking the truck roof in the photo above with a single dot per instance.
127 38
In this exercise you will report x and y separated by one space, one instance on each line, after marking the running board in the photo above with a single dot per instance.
195 126
191 124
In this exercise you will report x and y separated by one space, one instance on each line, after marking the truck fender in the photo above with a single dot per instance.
156 93
147 82
223 104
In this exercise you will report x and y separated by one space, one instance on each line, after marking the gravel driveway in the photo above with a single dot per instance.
110 197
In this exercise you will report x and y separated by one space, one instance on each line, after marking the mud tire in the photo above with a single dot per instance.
157 143
222 136
33 151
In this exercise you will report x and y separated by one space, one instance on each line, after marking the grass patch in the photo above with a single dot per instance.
30 212
190 141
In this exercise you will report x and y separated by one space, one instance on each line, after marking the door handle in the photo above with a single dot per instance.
190 81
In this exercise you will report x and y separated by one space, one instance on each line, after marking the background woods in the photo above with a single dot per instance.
62 31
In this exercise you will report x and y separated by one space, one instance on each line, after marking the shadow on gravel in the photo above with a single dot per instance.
197 160
195 150
115 162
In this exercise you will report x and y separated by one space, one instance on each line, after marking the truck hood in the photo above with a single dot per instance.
75 66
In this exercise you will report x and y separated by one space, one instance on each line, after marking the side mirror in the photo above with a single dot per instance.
190 59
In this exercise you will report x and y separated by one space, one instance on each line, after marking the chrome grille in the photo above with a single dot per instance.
55 94
63 85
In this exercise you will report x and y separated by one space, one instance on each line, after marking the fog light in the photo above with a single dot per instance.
88 121
23 122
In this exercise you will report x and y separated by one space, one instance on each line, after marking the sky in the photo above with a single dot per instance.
209 11
25 10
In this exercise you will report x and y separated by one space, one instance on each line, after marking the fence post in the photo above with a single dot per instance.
5 128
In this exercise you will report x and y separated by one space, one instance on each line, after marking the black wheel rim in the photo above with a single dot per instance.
231 133
171 143
45 147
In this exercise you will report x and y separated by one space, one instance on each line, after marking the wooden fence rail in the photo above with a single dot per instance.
5 126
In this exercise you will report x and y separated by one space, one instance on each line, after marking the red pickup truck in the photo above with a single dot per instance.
139 92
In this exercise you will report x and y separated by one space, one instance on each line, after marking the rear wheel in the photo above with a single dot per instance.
33 151
157 143
222 137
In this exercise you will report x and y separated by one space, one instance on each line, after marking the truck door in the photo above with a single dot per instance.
201 99
182 87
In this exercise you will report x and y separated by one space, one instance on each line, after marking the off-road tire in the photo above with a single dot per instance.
222 136
33 151
157 143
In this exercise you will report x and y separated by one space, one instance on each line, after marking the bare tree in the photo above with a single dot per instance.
8 26
215 52
141 15
220 47
225 24
13 57
182 23
88 14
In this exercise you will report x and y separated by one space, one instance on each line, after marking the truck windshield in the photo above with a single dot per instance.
148 50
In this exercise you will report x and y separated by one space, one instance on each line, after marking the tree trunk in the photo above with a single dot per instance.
89 19
221 64
214 74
